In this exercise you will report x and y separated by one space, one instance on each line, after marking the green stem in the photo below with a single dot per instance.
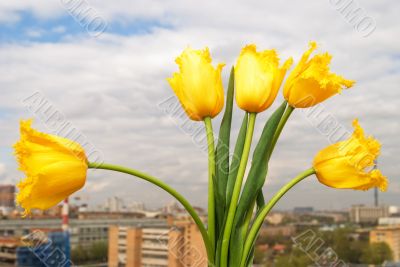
211 176
279 129
266 209
170 190
236 191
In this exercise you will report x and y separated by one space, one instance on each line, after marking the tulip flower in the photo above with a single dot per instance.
55 167
258 78
312 82
347 164
198 85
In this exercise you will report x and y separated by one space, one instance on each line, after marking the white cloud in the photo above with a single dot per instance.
59 29
34 33
94 187
109 87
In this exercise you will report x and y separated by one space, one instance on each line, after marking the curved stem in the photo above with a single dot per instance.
170 190
247 219
211 177
279 129
266 209
236 191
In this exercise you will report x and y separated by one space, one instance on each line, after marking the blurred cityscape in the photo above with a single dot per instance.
127 234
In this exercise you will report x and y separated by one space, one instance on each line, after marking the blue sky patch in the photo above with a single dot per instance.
31 29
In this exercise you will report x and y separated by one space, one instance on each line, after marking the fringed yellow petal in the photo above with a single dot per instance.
312 82
55 168
346 164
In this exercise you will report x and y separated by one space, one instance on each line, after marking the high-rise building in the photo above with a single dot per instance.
171 208
390 235
115 204
368 214
7 195
177 244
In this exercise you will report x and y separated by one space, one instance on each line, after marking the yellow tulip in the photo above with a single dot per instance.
258 78
55 167
198 85
347 164
311 81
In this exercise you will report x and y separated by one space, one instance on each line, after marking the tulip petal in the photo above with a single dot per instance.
312 82
55 168
345 164
258 78
198 85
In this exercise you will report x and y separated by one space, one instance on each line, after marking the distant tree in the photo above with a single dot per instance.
296 259
79 255
343 244
272 240
346 248
357 249
98 251
259 256
377 253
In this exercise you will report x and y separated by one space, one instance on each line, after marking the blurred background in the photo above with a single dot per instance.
95 71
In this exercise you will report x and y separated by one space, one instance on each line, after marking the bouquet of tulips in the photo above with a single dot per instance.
56 167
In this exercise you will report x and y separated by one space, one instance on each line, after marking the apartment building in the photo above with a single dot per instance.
390 235
8 250
176 244
368 214
84 232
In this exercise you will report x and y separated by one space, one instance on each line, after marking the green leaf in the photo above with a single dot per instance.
219 244
254 183
260 200
237 155
222 154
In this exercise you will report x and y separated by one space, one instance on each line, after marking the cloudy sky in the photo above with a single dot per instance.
102 65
